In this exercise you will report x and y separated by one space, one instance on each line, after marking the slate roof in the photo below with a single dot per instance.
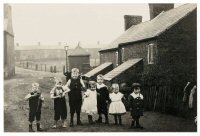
121 68
79 51
97 69
154 27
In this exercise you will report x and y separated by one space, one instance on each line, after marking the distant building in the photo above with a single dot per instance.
9 58
166 45
79 58
53 52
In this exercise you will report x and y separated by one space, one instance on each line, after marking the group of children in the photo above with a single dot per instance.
95 100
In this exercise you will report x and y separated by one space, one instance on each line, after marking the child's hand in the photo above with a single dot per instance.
59 96
34 94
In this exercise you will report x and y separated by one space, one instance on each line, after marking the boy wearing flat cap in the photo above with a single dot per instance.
35 99
136 105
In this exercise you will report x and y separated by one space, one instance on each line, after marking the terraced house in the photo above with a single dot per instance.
160 51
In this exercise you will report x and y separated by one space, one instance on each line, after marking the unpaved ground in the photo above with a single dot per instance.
16 110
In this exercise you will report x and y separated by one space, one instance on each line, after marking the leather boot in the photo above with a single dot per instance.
71 120
78 120
89 121
38 127
120 119
133 124
31 128
99 120
138 124
106 119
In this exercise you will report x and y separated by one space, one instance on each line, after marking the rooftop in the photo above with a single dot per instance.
154 27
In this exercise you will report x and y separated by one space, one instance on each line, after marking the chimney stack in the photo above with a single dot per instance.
156 8
130 20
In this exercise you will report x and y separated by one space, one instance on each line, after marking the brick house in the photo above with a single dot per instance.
79 58
167 44
9 58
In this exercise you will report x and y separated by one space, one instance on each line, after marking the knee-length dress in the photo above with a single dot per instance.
116 105
90 102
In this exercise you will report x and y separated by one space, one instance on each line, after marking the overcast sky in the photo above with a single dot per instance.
71 23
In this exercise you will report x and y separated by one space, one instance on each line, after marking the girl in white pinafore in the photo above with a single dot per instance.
90 101
116 108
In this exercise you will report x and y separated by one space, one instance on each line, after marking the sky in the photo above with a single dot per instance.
50 24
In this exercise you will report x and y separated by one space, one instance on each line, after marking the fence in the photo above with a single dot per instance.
40 66
166 99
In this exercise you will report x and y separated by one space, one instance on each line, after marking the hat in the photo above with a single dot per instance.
136 85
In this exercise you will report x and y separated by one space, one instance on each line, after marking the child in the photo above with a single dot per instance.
136 105
102 99
75 85
60 108
90 101
116 108
35 99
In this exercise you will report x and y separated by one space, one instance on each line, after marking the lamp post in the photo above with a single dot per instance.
67 66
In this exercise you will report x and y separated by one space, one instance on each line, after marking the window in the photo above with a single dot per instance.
122 55
116 58
150 56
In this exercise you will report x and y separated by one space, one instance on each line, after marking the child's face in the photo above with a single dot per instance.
116 89
99 80
34 88
137 90
58 85
75 75
93 87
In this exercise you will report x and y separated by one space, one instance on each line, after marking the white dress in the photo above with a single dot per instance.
116 105
90 102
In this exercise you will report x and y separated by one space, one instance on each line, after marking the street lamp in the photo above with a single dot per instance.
67 66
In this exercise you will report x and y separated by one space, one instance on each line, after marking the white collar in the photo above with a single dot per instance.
137 95
100 86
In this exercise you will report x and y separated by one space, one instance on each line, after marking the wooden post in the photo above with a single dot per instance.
54 69
36 67
155 102
63 69
51 69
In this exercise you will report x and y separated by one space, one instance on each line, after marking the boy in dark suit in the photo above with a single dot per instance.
75 86
35 99
102 99
136 105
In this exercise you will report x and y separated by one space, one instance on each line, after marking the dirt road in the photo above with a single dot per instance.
16 110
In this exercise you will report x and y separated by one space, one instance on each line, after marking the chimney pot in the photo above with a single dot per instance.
157 8
130 20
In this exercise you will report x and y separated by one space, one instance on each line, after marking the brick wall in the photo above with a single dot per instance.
136 50
9 58
178 51
108 56
78 62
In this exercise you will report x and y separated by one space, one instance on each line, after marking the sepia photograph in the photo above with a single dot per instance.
99 67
